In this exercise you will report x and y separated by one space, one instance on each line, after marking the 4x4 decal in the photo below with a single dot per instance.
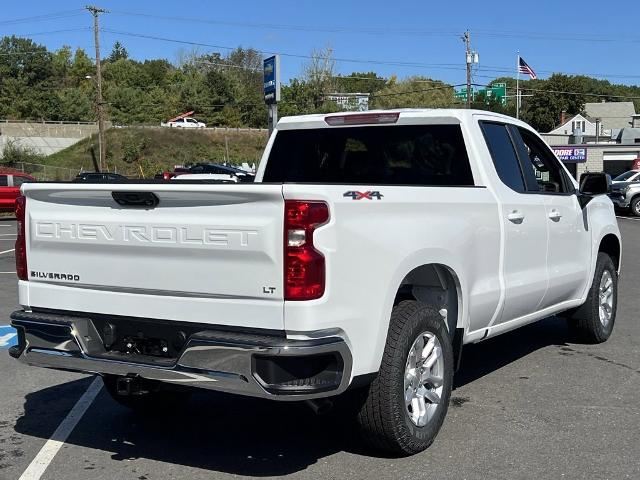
360 195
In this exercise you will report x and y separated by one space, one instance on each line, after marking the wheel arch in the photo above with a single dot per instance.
610 244
435 284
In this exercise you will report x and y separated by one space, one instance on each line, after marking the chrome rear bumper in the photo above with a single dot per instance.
240 363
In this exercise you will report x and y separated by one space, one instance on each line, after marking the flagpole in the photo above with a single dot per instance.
518 86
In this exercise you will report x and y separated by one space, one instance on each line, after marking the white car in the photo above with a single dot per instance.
187 122
370 249
627 177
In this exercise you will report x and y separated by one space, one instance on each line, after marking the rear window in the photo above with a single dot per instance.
4 180
393 155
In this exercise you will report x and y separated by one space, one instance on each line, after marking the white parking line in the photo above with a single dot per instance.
629 218
9 272
8 234
44 457
7 251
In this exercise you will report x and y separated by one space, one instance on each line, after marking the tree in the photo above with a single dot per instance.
360 82
118 53
414 92
319 75
81 66
551 97
23 59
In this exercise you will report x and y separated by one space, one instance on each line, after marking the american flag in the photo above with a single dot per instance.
524 68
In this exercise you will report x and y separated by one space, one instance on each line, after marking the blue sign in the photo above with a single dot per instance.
8 336
271 67
570 154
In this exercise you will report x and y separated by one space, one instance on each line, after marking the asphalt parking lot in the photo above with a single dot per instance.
527 404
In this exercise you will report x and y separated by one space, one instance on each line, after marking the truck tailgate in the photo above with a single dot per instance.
206 253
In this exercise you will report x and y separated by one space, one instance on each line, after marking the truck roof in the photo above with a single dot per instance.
446 115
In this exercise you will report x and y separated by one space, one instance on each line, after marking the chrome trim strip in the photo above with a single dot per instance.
151 291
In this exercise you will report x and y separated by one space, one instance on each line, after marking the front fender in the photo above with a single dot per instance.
601 221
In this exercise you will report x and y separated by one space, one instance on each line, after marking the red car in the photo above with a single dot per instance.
10 188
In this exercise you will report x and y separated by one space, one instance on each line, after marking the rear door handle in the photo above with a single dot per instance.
555 215
516 217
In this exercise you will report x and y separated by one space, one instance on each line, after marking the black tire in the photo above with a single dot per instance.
585 322
156 398
383 420
634 206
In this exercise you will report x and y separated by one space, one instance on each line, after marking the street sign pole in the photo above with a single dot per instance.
272 116
271 70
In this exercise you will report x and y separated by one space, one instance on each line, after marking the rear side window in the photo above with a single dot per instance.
4 180
503 155
392 155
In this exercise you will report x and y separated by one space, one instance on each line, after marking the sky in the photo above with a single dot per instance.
402 38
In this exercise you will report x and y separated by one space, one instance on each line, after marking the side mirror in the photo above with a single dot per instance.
591 185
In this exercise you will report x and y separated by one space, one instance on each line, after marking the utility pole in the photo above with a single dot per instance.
102 142
471 58
467 42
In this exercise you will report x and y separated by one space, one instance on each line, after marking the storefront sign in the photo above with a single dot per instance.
571 155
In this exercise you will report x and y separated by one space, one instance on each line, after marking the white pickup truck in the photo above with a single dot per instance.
371 248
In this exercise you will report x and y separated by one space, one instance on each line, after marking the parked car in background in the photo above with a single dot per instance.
216 177
626 177
99 177
242 175
187 122
10 189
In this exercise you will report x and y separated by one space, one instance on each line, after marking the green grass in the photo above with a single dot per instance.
142 152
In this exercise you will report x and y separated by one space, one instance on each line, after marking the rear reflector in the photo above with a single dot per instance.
362 118
304 266
21 243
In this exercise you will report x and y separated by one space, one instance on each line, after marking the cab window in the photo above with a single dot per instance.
503 155
541 168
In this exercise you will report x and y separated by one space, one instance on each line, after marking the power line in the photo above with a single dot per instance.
50 32
43 17
385 30
303 28
443 87
446 66
566 92
545 36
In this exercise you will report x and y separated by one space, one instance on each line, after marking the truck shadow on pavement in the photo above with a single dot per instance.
483 358
243 436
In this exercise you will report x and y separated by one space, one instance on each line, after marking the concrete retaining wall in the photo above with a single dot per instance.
47 129
42 145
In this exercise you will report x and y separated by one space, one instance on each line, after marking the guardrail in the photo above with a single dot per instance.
63 122
48 122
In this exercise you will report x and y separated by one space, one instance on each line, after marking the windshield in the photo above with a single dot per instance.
625 176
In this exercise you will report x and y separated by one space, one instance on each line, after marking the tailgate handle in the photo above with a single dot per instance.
136 199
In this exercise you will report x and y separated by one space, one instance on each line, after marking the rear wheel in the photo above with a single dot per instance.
593 321
407 402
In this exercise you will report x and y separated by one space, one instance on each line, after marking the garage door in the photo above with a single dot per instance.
615 163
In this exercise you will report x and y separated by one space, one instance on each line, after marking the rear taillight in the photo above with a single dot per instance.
304 266
21 242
